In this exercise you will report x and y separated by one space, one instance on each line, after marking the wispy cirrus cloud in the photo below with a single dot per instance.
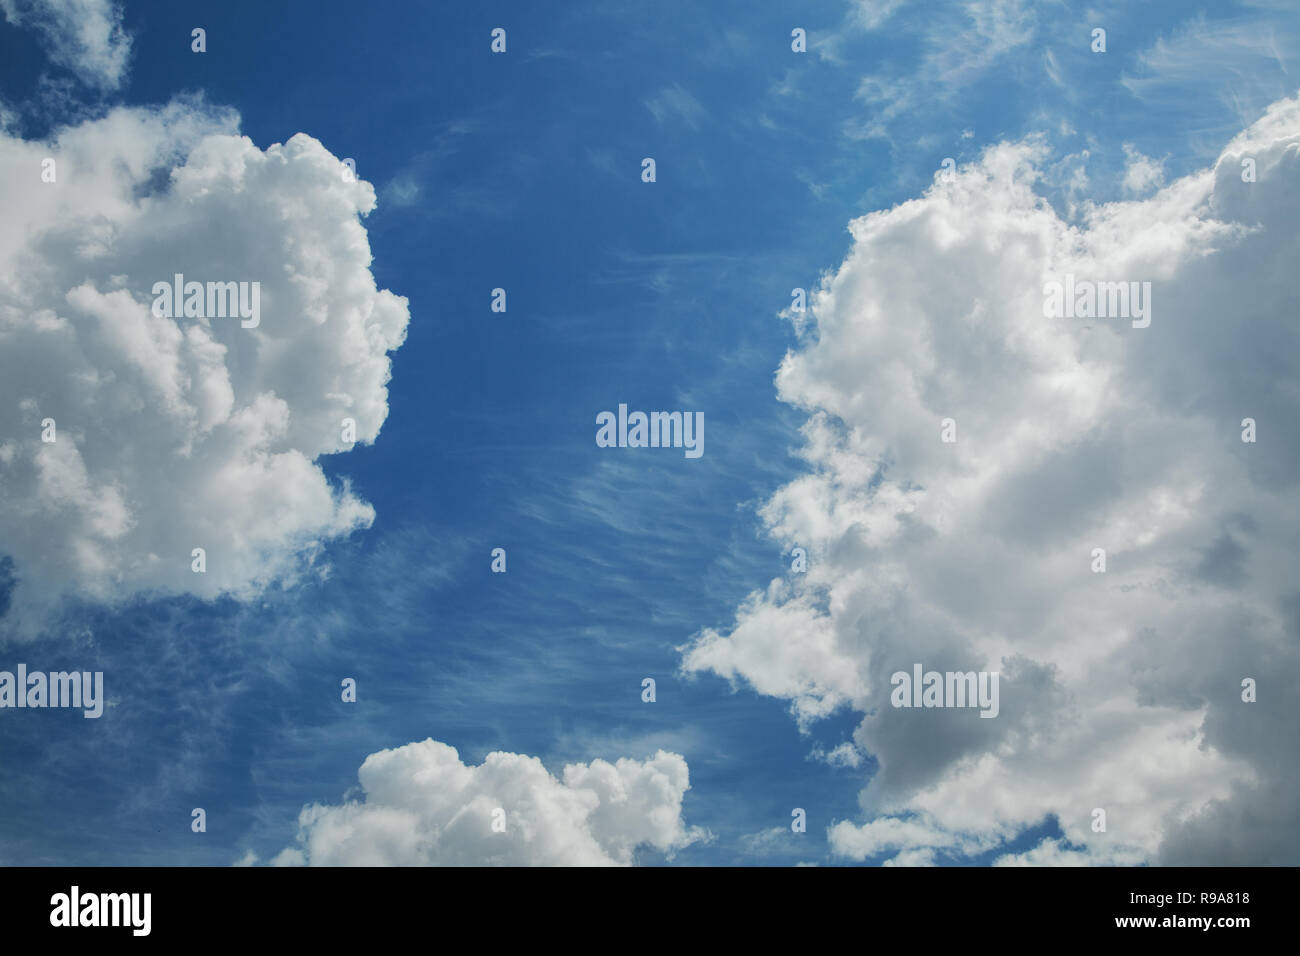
676 102
84 36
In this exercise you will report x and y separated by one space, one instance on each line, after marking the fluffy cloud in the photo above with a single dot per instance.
423 807
179 433
1141 173
85 36
1119 690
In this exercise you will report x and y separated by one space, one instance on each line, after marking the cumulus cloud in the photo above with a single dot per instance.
85 36
845 755
180 433
423 807
1141 173
1119 690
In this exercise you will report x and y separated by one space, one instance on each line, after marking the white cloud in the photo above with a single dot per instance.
872 14
1120 690
676 101
174 434
844 756
954 58
996 28
403 191
1058 853
1141 173
85 36
424 807
886 834
922 857
1233 62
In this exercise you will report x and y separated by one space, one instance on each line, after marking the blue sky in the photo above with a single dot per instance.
522 171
